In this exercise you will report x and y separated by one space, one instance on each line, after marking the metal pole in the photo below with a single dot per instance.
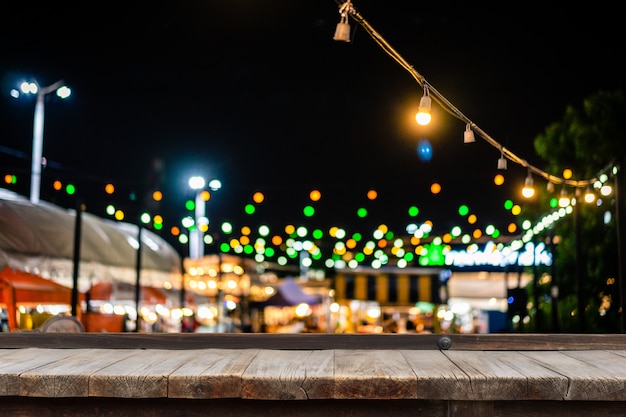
620 282
77 240
138 279
38 122
35 178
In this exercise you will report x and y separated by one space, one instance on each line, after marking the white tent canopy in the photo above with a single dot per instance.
39 238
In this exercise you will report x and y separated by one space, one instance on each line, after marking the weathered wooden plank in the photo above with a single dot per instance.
542 383
374 375
607 361
212 373
586 382
141 376
437 377
69 376
14 362
312 341
289 375
611 362
490 379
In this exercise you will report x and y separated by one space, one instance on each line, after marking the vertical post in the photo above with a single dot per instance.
620 246
220 295
200 212
579 270
138 279
35 176
554 289
538 311
77 241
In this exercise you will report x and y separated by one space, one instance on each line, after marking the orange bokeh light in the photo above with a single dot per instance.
258 197
315 195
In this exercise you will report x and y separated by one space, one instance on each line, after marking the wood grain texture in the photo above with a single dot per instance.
311 341
68 376
289 375
373 374
586 381
143 375
490 379
437 376
13 363
211 373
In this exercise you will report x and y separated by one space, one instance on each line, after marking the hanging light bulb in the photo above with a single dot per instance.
606 189
528 191
564 200
502 161
423 114
589 196
550 187
342 32
468 136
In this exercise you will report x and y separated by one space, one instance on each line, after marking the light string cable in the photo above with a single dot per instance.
348 7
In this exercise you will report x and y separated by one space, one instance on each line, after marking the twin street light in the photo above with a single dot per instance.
62 91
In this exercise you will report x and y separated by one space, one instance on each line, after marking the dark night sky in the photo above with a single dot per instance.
258 94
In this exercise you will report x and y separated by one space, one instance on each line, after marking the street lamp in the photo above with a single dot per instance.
33 88
196 235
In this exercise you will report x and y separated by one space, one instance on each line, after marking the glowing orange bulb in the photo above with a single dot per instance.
372 194
109 188
498 179
435 188
157 196
315 195
258 197
567 173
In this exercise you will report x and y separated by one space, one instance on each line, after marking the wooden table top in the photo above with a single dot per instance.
276 374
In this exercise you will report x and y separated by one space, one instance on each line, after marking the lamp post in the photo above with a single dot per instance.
33 88
196 238
196 235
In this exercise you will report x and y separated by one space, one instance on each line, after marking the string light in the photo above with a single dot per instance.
589 196
423 116
342 32
564 199
502 161
468 136
528 191
348 9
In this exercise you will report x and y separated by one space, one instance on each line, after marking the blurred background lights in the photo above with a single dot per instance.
424 150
